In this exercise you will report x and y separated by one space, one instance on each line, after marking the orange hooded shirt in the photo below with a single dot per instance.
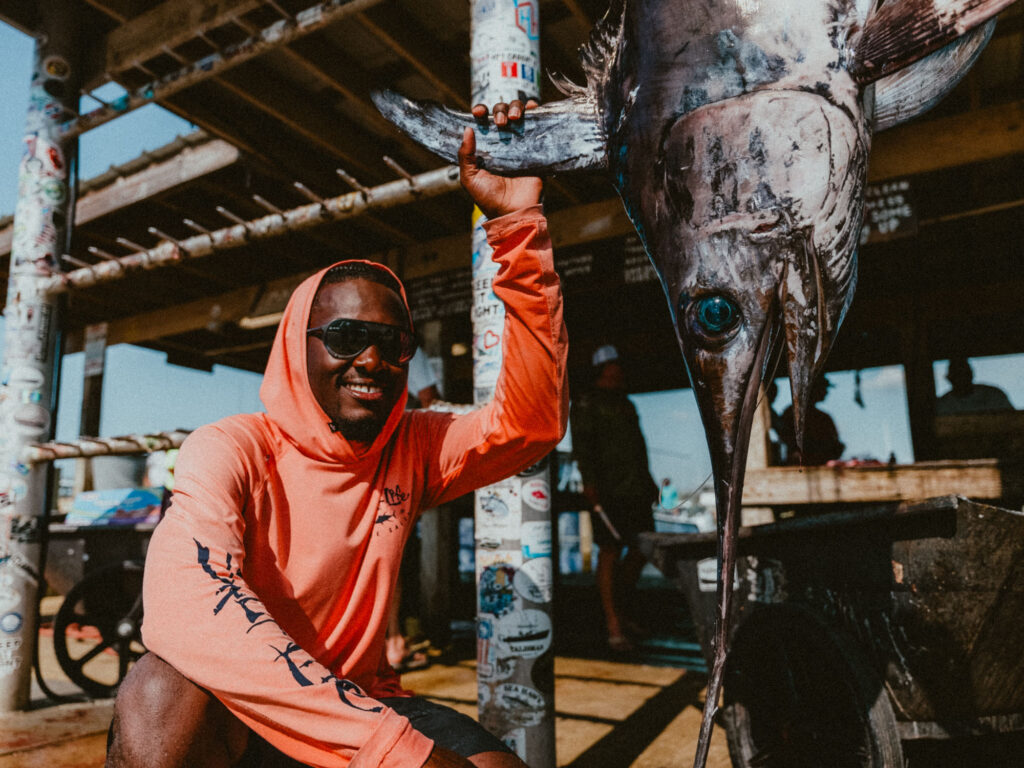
268 582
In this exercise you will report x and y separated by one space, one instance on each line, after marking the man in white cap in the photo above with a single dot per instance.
612 457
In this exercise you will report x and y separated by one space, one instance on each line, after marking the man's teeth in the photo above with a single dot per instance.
365 388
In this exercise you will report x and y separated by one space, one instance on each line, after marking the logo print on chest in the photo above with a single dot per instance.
390 515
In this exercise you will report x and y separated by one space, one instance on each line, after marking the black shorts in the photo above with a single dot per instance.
629 518
446 727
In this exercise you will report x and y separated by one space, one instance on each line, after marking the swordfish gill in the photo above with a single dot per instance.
737 133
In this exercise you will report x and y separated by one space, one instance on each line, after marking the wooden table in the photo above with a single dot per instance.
976 479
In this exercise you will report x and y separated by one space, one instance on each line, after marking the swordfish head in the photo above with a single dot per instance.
739 144
750 212
737 133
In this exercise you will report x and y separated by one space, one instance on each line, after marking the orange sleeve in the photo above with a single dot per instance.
527 415
204 620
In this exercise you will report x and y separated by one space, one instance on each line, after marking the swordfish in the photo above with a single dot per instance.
737 133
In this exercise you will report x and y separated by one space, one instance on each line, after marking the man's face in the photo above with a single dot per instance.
359 393
612 376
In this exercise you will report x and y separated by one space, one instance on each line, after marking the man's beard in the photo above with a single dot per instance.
364 430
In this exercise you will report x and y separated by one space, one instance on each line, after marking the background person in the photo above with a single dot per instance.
966 396
821 438
612 457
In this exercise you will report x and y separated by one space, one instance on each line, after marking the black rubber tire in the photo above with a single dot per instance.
798 694
109 600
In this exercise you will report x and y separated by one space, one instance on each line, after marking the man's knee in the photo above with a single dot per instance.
162 719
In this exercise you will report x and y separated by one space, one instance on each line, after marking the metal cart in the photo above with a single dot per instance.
99 571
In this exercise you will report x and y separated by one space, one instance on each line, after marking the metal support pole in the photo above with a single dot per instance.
30 341
348 206
515 652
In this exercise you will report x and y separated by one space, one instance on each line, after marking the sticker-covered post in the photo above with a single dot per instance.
41 222
515 670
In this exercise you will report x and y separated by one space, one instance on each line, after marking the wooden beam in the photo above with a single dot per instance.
329 131
119 10
183 318
23 15
934 145
409 45
236 122
782 486
190 164
341 74
435 256
167 25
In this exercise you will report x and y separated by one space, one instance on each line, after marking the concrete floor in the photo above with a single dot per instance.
609 715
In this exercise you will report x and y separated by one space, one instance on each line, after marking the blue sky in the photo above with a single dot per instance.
143 393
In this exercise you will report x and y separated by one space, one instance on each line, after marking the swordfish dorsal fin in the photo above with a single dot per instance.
597 57
903 31
561 136
916 89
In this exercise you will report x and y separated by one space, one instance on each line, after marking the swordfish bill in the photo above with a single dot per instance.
738 133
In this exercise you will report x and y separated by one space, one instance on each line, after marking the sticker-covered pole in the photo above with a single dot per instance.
515 655
29 351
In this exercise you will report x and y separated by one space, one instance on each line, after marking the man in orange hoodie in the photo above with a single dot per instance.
268 582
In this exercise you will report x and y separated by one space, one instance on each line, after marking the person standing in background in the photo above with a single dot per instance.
612 457
402 654
966 396
422 382
821 438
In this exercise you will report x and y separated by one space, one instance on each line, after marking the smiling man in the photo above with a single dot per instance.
268 583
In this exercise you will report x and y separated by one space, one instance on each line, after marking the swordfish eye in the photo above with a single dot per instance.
714 317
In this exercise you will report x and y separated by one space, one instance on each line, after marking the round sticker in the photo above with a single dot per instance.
537 494
526 633
31 419
533 580
523 705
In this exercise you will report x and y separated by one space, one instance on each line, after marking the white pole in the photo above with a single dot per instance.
30 341
515 652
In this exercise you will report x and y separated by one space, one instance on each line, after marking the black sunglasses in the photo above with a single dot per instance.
345 338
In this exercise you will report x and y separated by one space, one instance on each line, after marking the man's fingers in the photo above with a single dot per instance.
480 111
532 104
467 150
500 114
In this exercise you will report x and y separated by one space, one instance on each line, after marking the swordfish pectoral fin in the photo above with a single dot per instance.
904 31
914 90
561 136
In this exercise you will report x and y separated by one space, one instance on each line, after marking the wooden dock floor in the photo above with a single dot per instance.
609 715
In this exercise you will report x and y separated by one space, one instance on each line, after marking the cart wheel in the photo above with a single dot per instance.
96 633
797 694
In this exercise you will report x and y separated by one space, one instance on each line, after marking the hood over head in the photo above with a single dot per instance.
286 392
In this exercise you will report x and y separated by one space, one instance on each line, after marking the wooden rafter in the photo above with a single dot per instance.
410 45
933 145
159 178
23 15
325 130
166 25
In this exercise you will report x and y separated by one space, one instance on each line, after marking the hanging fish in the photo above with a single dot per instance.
737 133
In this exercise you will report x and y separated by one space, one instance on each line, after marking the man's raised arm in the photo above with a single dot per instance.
527 415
